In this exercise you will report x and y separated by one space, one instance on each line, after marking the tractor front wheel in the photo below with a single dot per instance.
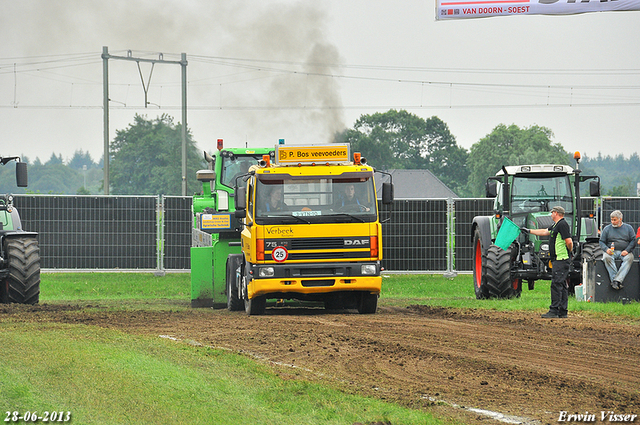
500 282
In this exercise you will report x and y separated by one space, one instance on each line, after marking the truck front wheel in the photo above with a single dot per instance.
234 303
368 303
22 285
255 306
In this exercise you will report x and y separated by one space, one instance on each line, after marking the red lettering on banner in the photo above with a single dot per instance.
488 10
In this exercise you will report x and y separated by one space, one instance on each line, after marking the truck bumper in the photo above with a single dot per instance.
318 285
314 278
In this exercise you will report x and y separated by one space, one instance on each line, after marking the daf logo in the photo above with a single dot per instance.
356 242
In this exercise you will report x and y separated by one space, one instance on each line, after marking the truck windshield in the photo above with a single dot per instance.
318 199
236 166
531 194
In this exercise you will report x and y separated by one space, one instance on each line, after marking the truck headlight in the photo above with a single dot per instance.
266 272
368 269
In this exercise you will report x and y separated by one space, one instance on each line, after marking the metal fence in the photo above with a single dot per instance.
153 233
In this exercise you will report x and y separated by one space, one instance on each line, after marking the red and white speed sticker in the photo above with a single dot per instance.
279 254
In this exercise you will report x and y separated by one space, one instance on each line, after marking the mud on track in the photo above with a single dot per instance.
442 359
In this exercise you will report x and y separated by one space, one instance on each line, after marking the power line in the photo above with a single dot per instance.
342 107
44 67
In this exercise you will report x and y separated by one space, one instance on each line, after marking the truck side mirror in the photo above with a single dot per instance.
21 174
594 188
387 193
491 189
241 198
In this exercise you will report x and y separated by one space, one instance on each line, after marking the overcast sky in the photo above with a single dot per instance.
301 70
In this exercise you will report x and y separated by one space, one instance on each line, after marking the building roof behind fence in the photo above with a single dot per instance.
414 184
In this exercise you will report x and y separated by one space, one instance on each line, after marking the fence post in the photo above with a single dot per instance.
160 270
451 238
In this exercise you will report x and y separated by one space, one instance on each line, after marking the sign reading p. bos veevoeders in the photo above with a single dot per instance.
307 154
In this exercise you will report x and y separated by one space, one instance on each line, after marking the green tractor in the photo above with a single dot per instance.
215 230
20 253
525 194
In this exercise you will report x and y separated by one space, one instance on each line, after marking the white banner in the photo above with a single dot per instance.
461 9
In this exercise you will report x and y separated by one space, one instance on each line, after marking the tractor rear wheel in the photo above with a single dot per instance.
22 285
500 282
479 269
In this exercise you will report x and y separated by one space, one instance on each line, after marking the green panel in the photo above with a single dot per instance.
5 221
202 276
221 251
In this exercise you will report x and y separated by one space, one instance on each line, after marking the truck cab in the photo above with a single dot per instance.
310 230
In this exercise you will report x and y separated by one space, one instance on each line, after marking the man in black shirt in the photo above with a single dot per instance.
560 245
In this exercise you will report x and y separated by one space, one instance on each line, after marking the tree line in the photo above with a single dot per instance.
145 157
399 139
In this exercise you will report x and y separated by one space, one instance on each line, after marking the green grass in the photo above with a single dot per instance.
127 286
104 376
458 292
146 290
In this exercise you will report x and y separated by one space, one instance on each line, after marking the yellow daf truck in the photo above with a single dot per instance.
310 231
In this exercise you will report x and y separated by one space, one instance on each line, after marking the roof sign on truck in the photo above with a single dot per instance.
294 155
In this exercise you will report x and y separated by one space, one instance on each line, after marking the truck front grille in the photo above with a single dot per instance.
317 243
322 282
335 248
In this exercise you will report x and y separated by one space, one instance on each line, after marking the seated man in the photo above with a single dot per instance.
349 198
617 241
274 200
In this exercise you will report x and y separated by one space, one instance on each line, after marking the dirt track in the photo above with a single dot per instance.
449 360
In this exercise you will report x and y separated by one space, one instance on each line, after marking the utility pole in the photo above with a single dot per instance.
105 71
105 125
183 63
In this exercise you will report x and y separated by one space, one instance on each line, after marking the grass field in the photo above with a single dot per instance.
105 376
458 292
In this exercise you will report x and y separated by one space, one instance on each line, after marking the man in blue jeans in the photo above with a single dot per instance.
617 241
